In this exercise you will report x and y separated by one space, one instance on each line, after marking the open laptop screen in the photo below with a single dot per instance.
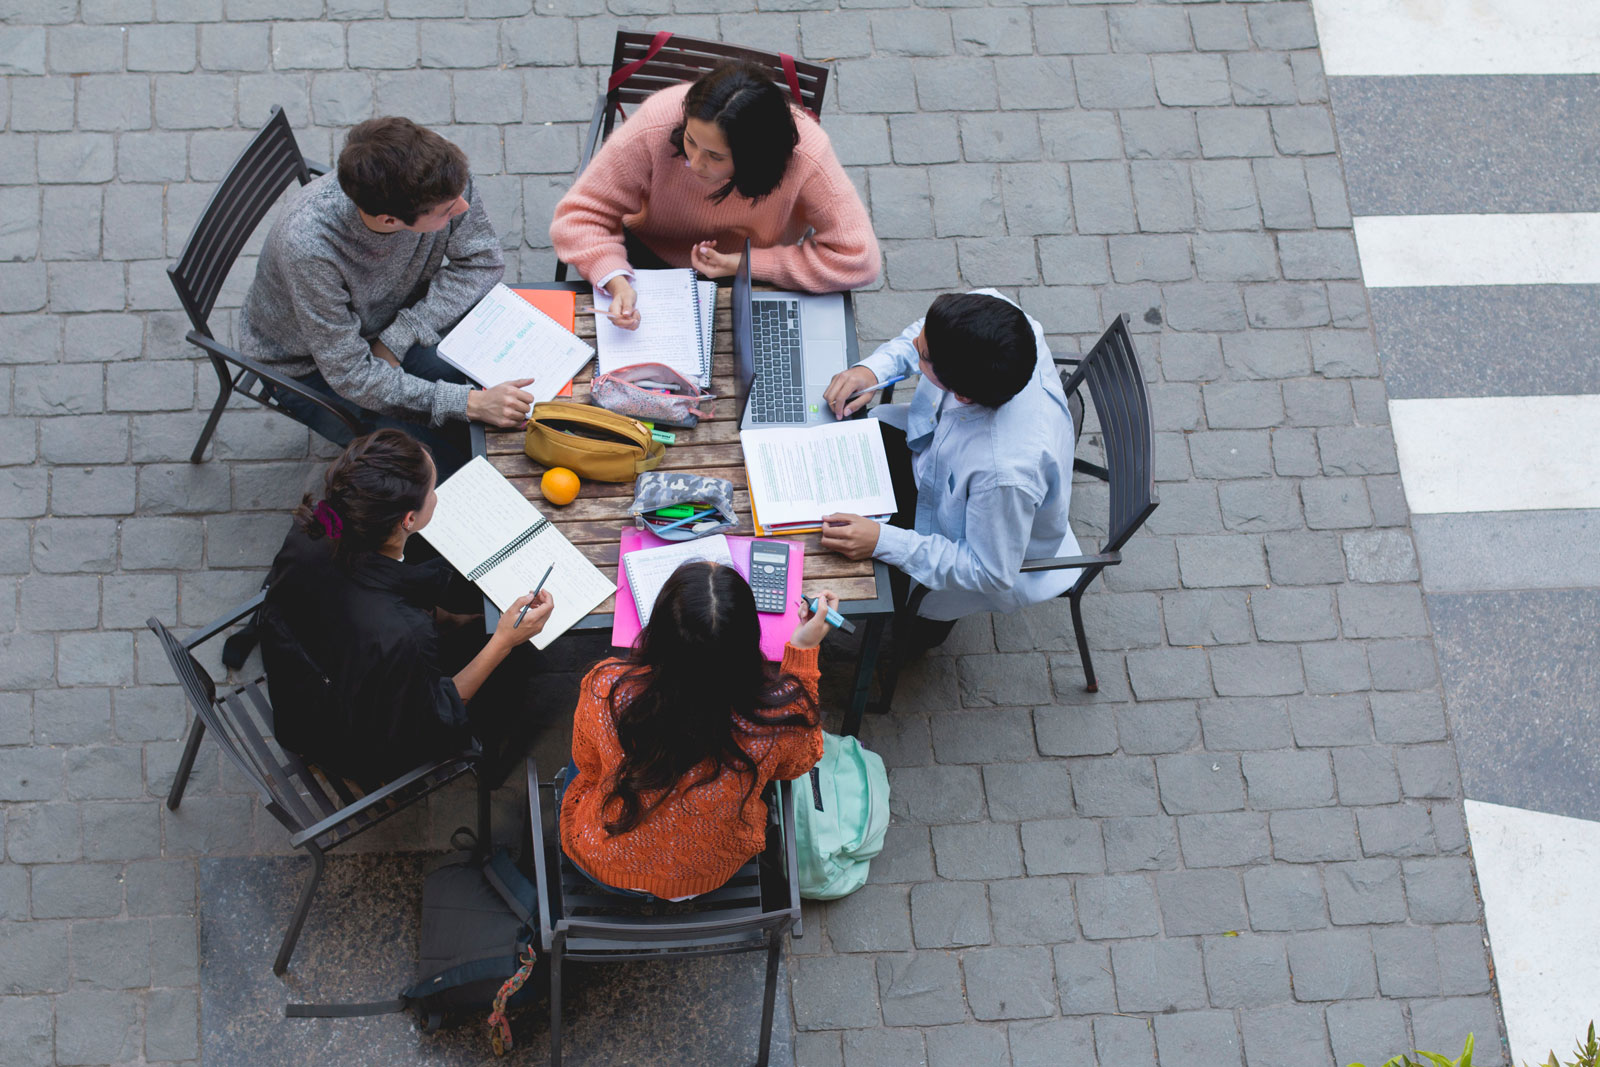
744 345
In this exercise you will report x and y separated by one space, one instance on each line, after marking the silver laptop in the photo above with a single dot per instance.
786 348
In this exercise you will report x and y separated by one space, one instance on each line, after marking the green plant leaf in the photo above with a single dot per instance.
1466 1054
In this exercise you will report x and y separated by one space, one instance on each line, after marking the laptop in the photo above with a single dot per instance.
786 348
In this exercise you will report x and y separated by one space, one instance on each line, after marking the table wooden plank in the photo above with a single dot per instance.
595 520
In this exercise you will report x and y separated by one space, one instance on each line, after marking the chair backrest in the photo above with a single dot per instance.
257 178
683 59
1122 405
239 719
761 900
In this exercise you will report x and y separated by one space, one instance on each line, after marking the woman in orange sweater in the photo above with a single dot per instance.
696 170
673 745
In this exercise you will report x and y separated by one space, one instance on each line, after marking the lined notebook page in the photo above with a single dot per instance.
648 569
505 338
669 325
478 514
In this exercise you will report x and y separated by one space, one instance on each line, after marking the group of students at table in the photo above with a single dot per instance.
674 741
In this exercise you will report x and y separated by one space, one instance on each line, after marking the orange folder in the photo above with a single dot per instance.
560 305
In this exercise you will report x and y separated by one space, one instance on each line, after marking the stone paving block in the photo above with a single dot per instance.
104 772
1366 1030
1201 902
1243 406
1084 979
1031 910
44 833
1382 611
949 915
33 957
1009 983
1117 906
921 989
1229 454
1164 201
865 1048
75 891
1293 779
172 1025
1462 956
1257 670
1075 731
1439 890
174 952
1063 846
1294 614
907 856
1158 728
1335 667
1285 1033
1160 134
981 851
1449 827
1005 680
1407 964
217 825
961 1046
1170 673
832 992
875 918
1365 892
1206 617
1197 1039
1246 971
1428 771
159 887
921 265
1313 835
1244 724
1115 786
1231 134
1396 830
1200 782
1140 843
1191 80
1241 257
1366 775
1344 354
1334 503
1285 898
1330 720
1403 717
1332 965
111 954
1294 453
1150 258
1122 1041
1158 976
1442 1024
818 1049
1045 1043
97 1026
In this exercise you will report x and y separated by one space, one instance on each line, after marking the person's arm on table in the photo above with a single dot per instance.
895 356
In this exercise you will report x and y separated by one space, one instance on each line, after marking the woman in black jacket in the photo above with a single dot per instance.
357 668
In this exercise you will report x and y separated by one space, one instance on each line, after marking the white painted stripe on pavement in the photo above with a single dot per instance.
1499 453
1512 249
1399 37
1536 873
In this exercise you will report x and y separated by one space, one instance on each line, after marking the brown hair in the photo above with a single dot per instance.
392 166
368 489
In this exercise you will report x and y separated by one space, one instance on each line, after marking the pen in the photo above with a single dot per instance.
684 521
524 612
834 618
874 388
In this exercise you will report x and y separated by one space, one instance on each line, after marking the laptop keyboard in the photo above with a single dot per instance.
778 394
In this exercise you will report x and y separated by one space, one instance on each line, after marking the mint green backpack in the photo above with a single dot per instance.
841 815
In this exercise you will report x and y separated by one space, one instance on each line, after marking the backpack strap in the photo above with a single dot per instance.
793 78
628 70
512 886
345 1011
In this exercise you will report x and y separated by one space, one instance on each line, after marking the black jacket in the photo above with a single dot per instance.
352 660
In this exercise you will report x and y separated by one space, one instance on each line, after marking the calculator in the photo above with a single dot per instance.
769 576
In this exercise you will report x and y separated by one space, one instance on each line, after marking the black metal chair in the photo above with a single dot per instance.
1122 405
319 811
583 924
255 181
643 62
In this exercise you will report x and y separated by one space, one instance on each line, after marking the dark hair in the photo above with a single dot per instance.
981 347
754 115
369 488
392 166
695 679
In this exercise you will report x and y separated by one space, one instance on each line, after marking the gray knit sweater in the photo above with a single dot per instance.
325 285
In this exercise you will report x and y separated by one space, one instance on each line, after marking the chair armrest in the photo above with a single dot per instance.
1066 361
316 167
1060 563
375 798
278 379
540 876
216 626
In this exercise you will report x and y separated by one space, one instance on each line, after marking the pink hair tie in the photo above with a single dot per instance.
331 524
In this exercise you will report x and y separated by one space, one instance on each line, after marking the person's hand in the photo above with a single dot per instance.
624 310
705 258
843 384
508 633
814 625
381 351
505 405
852 536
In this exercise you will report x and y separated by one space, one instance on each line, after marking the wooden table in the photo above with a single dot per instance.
594 522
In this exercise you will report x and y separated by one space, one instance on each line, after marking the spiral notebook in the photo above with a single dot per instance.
505 337
493 535
676 314
647 570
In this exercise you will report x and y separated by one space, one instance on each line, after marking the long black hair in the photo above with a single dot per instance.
753 114
694 681
368 489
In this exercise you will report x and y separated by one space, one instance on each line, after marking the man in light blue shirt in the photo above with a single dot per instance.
990 439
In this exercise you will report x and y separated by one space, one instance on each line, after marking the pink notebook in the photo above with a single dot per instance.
775 629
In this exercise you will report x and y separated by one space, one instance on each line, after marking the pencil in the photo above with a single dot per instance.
523 614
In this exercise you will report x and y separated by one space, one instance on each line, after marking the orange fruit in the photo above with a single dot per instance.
559 486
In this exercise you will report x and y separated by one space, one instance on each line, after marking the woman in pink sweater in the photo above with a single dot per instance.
700 167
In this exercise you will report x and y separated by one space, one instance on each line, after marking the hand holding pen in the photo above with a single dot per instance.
818 614
849 390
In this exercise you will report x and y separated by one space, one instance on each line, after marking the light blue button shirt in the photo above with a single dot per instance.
993 487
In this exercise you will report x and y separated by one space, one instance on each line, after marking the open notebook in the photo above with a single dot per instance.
676 312
505 337
493 535
797 474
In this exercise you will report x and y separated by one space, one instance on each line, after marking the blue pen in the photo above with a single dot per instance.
834 618
684 522
873 388
523 614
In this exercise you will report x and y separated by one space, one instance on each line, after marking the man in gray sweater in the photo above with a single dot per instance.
362 274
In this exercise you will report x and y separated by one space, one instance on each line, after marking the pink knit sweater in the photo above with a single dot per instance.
636 179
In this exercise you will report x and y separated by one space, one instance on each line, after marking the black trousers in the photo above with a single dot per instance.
925 633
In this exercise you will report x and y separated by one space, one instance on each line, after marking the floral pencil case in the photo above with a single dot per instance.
652 392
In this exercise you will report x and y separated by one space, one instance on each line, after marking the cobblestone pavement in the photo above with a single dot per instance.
1248 848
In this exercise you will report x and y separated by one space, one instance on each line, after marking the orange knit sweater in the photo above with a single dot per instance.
696 840
636 179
